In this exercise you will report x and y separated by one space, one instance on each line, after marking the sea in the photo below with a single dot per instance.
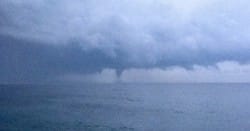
125 107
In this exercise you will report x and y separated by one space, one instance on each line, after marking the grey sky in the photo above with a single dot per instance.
47 39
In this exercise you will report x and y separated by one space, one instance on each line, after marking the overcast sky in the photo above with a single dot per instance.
124 41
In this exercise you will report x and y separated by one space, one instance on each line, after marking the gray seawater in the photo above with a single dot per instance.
121 107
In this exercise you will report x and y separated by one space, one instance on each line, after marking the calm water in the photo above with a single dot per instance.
172 107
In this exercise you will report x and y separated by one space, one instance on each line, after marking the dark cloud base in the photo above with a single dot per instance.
28 62
23 61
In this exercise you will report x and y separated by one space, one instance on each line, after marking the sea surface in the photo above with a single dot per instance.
125 107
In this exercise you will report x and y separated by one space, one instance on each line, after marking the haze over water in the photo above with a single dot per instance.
125 107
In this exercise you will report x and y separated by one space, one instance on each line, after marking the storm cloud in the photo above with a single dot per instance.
46 39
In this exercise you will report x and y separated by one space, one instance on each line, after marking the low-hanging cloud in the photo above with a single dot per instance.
227 71
89 36
223 72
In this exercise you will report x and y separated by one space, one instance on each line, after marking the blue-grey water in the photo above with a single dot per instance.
125 107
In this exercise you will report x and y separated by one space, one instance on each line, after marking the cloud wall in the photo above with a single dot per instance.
87 36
